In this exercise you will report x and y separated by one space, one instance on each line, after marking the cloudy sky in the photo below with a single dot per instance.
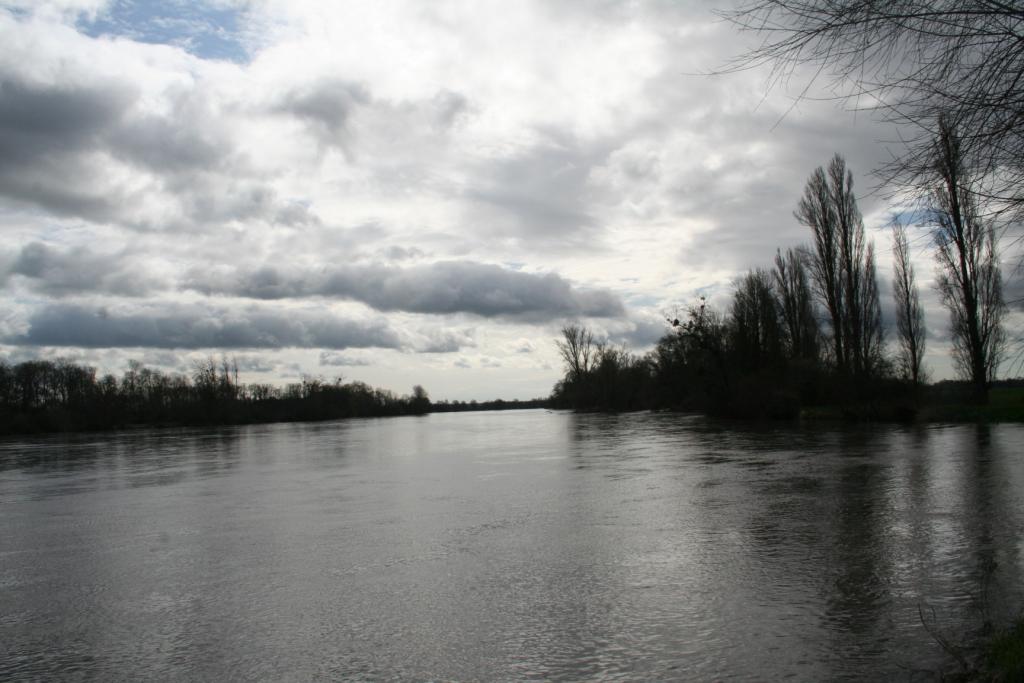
395 192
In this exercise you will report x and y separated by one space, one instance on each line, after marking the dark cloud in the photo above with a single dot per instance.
325 107
444 340
180 326
67 272
446 287
60 145
37 121
45 134
182 142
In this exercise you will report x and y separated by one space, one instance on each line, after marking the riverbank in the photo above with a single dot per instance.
1005 404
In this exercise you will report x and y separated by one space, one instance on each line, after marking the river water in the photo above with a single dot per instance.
521 545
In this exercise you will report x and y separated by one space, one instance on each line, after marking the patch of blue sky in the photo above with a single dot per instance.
209 30
910 217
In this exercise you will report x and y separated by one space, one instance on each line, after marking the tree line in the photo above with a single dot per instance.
43 395
808 329
457 406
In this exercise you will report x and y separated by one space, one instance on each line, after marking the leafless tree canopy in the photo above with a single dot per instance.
969 277
913 60
578 349
796 304
756 334
872 333
909 314
842 267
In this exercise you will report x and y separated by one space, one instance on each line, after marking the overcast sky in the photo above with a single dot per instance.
396 192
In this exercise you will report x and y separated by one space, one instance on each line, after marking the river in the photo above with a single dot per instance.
520 545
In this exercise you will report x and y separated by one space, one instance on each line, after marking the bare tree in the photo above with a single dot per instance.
909 314
796 304
815 211
842 268
578 349
872 333
912 60
756 335
969 278
853 265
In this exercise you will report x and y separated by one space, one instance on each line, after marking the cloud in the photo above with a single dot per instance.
443 340
445 287
639 333
333 358
325 107
253 363
521 345
103 149
46 136
66 272
185 326
539 193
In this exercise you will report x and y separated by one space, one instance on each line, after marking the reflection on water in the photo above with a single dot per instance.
496 546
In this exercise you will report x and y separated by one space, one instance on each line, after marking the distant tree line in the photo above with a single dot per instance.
496 404
43 395
808 331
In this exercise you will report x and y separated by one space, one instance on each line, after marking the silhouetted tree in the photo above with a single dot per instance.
909 314
755 331
60 395
796 304
872 343
842 268
702 346
577 348
420 402
969 278
815 210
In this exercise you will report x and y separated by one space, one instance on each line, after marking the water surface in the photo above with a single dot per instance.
523 545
